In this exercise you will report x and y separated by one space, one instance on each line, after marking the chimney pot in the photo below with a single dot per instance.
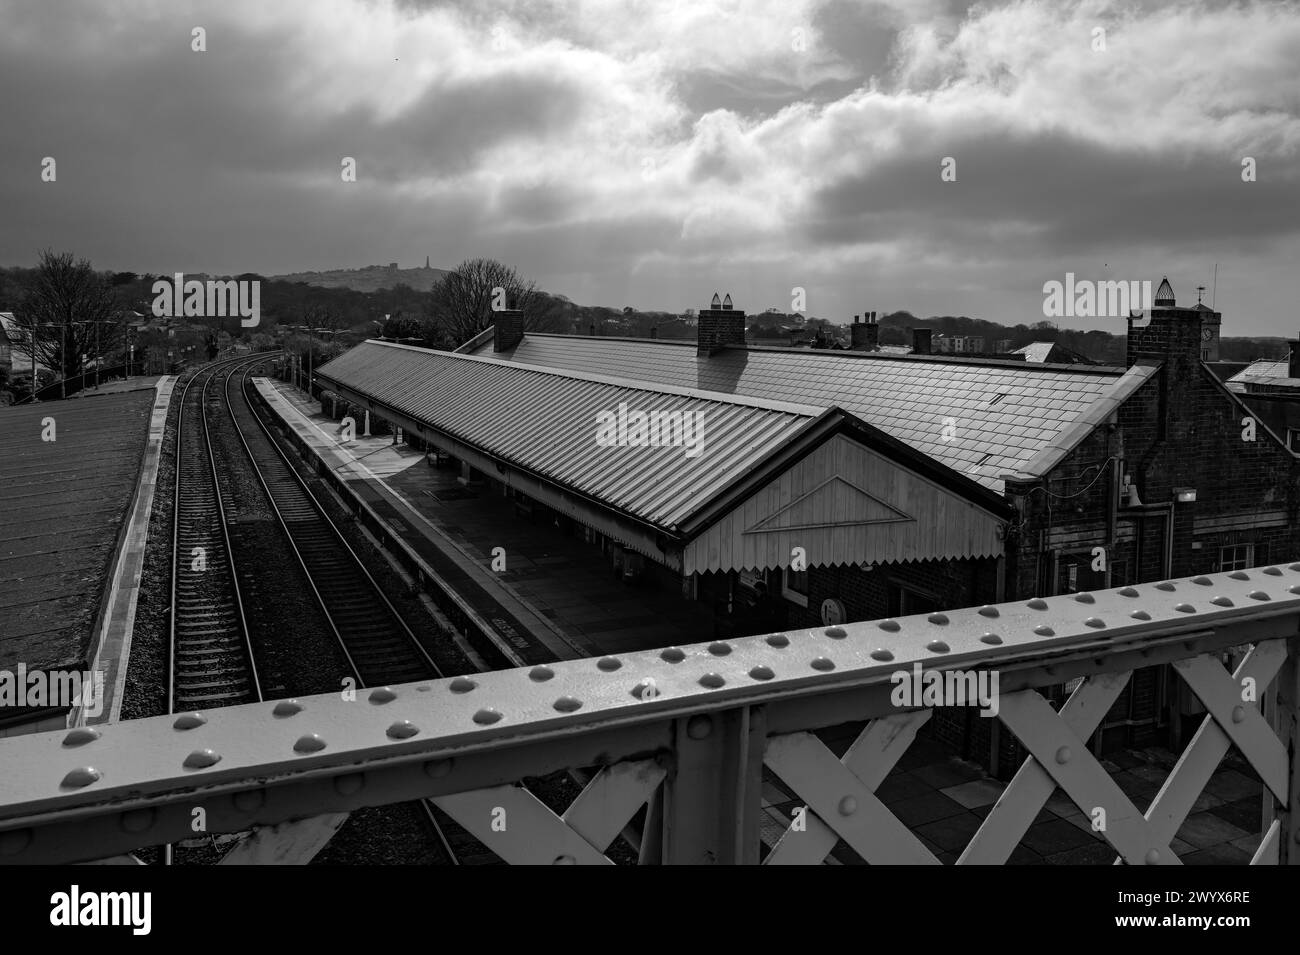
921 341
1293 362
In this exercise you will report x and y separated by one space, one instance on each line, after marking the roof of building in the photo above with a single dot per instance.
1267 372
983 418
10 328
1036 351
545 421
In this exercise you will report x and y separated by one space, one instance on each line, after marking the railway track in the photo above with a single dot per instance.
379 646
210 658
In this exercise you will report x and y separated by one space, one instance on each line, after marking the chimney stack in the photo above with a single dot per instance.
507 329
921 341
864 336
718 326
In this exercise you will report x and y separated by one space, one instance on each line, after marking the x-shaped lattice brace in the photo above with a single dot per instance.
841 795
1060 757
1229 721
522 830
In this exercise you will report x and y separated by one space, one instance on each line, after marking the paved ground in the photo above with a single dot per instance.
62 508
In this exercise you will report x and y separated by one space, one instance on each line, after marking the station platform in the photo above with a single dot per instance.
74 519
554 589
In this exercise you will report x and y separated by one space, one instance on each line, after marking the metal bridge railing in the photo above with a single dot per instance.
688 731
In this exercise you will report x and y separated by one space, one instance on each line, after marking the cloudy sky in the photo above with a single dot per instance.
648 152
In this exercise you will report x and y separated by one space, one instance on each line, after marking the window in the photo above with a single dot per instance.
1237 557
794 586
904 601
1293 438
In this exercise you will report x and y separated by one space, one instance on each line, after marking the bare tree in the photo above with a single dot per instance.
461 304
69 312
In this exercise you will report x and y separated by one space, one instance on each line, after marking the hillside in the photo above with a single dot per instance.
372 278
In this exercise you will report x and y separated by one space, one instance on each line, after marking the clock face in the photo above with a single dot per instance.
832 612
1207 333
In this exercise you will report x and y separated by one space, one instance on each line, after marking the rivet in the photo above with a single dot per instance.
1043 630
1063 755
890 625
540 674
137 820
992 639
778 640
1294 589
988 610
1085 598
565 860
1140 615
1094 622
81 736
848 806
1153 857
674 655
608 664
381 695
1293 567
1238 713
349 783
1202 580
437 768
836 633
462 684
1037 603
82 776
883 655
937 646
1127 592
719 649
14 841
487 716
189 721
1258 595
823 664
1165 585
712 681
567 704
202 759
311 743
1221 602
286 708
699 726
1272 571
249 800
761 673
939 619
402 729
1239 575
1184 608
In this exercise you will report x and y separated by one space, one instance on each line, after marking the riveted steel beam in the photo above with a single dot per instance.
95 792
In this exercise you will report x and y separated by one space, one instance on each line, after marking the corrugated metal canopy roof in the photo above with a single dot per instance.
1002 413
545 421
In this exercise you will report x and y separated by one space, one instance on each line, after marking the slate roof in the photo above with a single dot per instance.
983 418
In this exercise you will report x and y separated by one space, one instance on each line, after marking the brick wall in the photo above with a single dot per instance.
718 327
